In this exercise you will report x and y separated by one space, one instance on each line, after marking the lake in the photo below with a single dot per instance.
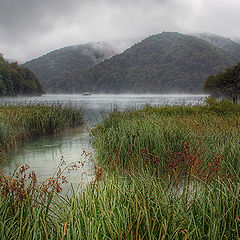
43 154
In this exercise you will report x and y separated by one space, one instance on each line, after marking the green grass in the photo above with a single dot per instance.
195 138
20 123
166 173
133 207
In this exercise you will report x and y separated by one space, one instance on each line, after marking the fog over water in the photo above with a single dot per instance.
95 105
43 154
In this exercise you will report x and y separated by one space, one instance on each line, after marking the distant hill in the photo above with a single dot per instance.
164 63
222 42
66 60
17 80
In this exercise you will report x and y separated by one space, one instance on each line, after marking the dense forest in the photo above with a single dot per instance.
222 42
164 63
66 60
17 80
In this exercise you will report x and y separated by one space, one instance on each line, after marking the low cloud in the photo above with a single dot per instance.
30 28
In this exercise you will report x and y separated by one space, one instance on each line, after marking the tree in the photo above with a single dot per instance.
225 84
15 80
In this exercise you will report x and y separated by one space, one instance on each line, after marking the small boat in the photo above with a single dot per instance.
86 94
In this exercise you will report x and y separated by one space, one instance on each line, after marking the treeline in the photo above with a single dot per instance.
224 84
17 80
163 63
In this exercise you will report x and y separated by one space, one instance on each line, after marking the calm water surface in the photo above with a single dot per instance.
43 154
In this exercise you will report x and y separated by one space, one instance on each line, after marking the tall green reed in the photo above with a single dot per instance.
19 123
137 204
160 136
129 207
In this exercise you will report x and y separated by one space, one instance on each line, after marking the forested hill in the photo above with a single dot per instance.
164 63
69 59
222 42
17 80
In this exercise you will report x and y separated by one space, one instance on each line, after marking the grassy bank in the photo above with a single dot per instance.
165 173
20 123
200 140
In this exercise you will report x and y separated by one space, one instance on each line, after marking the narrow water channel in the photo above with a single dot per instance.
43 154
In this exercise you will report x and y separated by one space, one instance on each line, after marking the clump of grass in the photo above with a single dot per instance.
198 140
191 187
20 123
140 207
29 209
130 207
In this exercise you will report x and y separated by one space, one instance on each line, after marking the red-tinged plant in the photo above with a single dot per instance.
23 185
98 174
189 163
20 187
151 158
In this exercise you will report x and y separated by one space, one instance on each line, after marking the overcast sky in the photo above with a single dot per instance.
31 28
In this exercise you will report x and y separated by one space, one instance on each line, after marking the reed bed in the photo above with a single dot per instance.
19 123
188 140
163 173
144 207
130 207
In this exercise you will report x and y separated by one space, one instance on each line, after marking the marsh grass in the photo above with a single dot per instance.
129 207
144 207
188 140
164 173
30 209
19 123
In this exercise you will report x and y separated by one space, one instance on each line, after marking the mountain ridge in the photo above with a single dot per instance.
63 61
166 62
223 42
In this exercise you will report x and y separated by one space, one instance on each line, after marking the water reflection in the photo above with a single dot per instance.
44 154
